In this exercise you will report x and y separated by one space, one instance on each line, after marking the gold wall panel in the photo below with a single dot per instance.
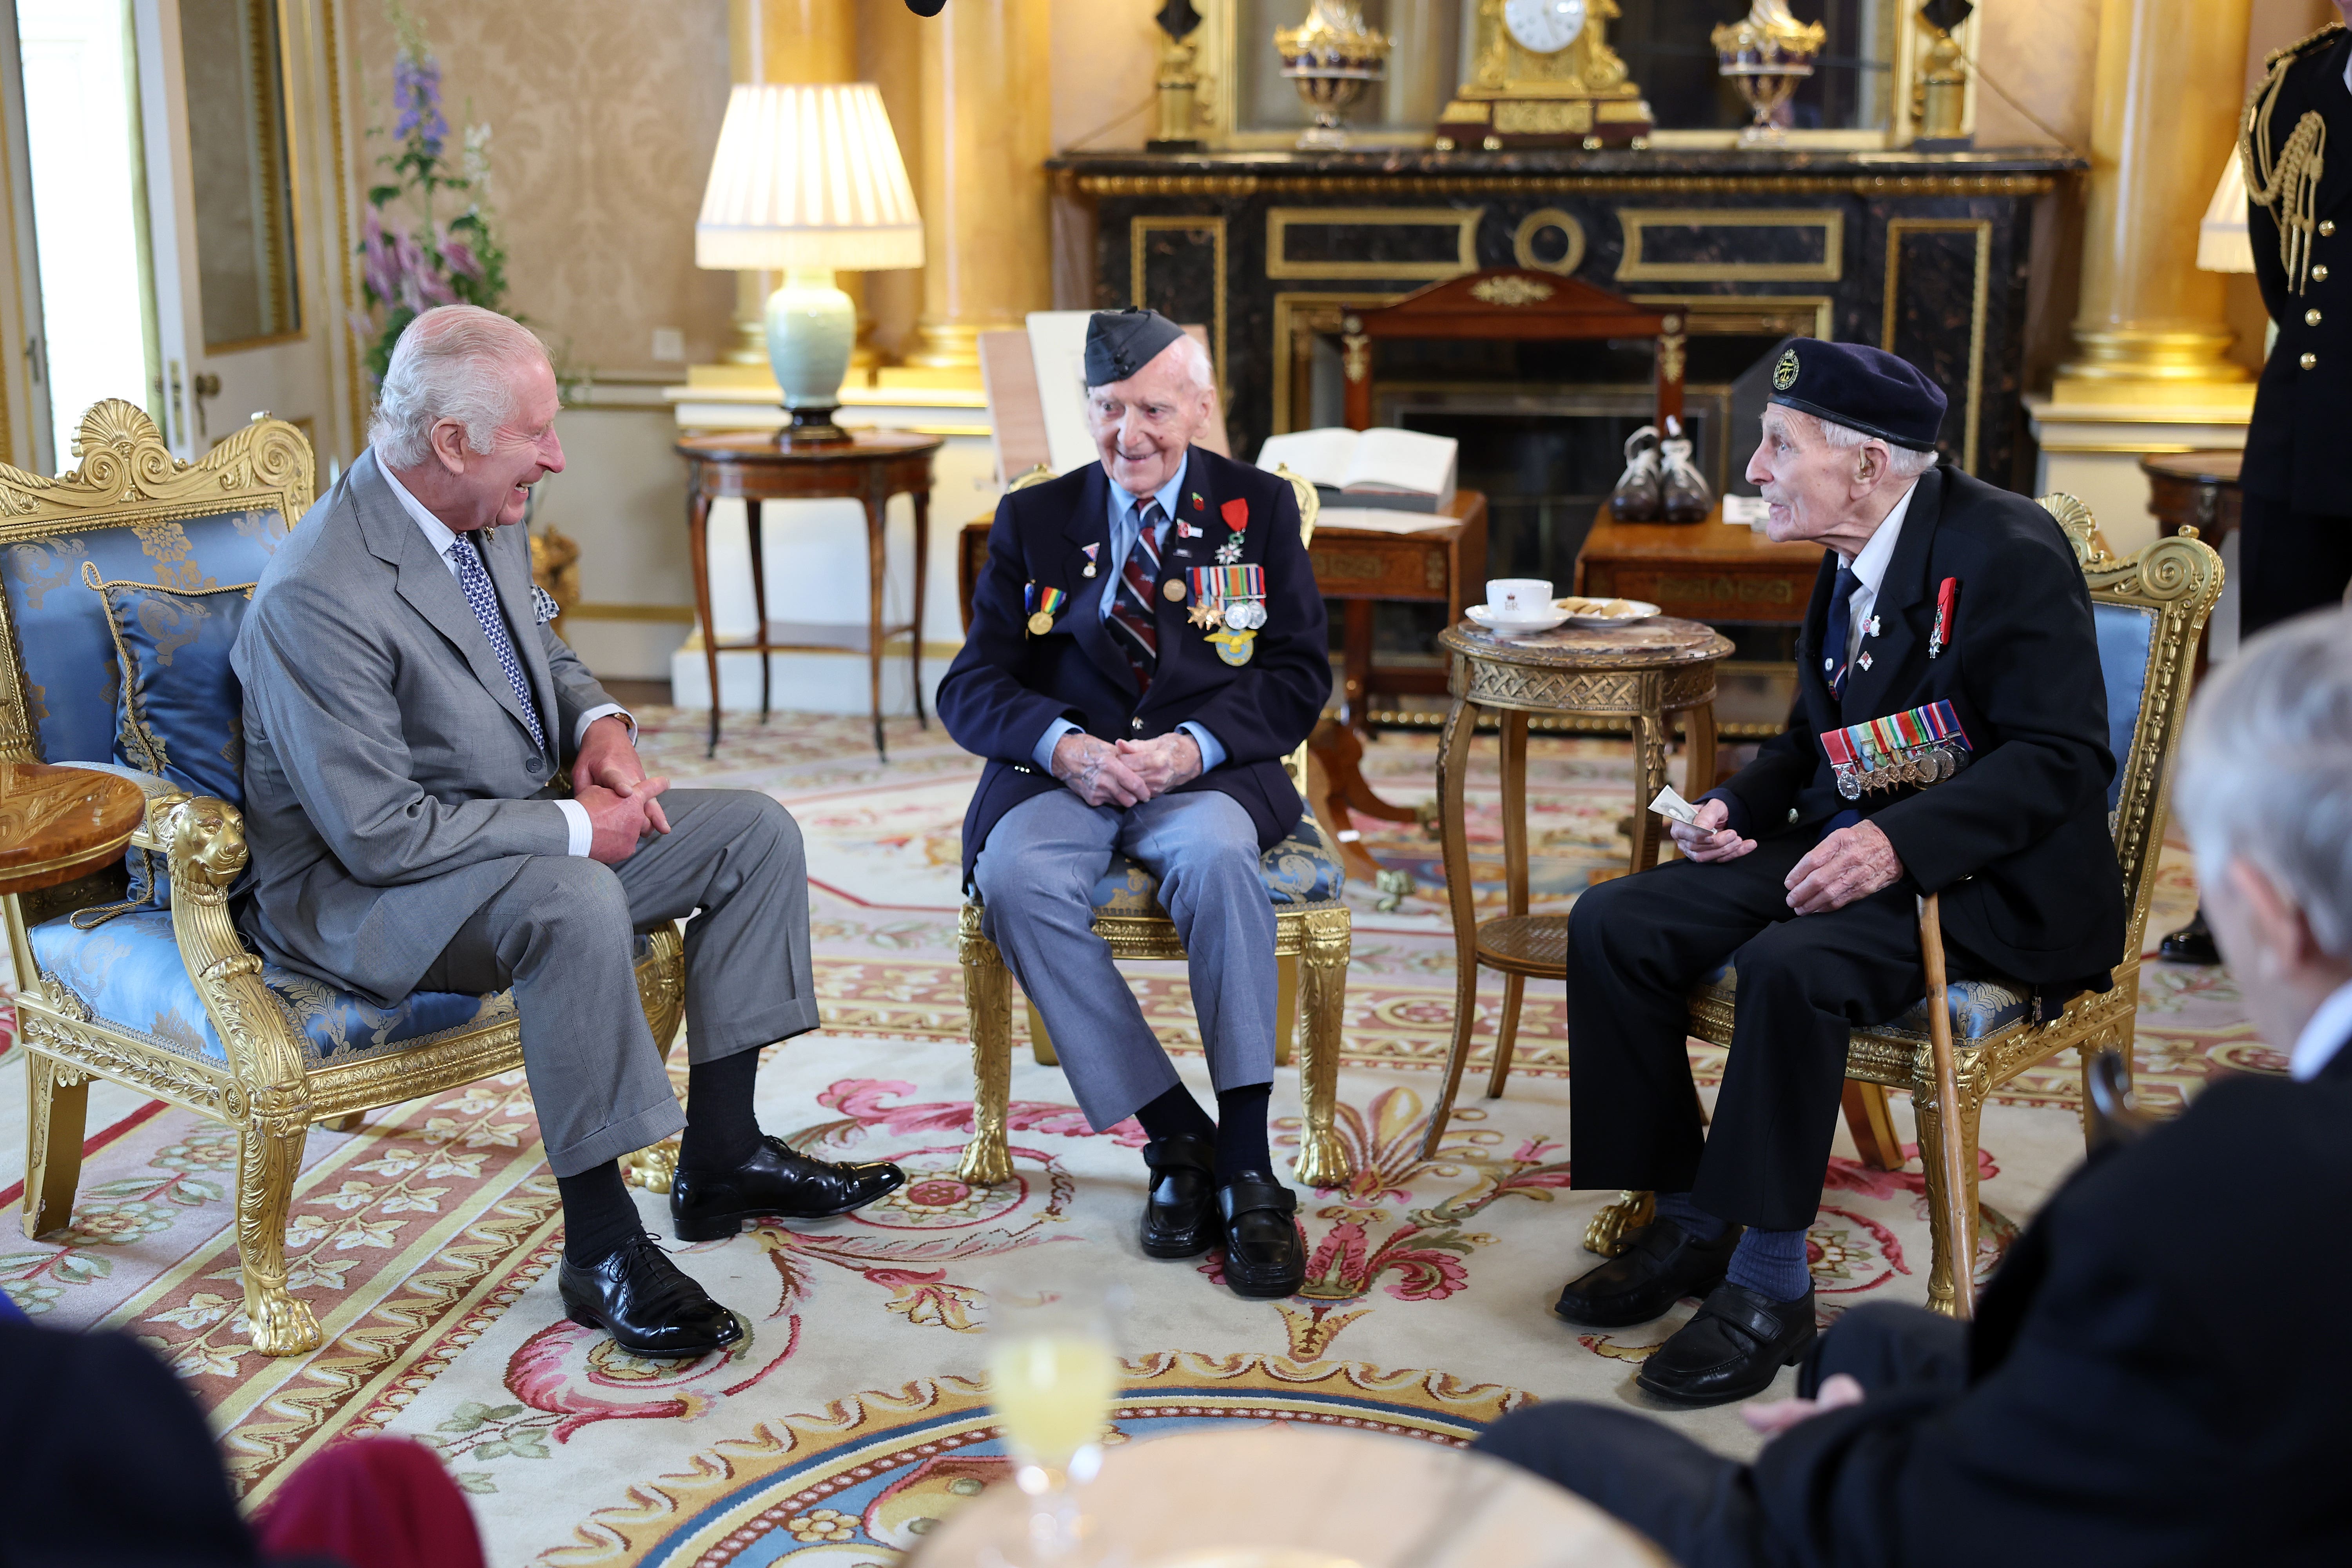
1523 241
1760 315
1829 222
1298 317
1138 253
1979 288
1462 221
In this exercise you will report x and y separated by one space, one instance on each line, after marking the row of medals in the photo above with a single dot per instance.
1926 765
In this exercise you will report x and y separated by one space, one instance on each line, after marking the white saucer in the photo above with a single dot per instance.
1543 621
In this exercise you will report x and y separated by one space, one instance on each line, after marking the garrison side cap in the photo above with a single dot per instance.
1121 342
1864 388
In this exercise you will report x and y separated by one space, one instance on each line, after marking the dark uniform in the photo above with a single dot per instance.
2295 549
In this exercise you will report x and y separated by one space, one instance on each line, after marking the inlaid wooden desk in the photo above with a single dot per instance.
1722 574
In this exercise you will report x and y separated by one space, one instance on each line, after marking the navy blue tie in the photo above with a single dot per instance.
1840 634
474 584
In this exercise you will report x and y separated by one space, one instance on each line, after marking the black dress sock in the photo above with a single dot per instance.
1241 1131
1174 1113
722 1132
598 1212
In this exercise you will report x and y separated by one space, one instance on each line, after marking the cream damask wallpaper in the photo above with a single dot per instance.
603 113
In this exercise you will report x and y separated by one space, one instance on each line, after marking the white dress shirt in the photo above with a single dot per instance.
444 539
2322 1037
1869 569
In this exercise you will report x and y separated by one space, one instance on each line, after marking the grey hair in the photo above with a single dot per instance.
1902 462
2266 769
449 364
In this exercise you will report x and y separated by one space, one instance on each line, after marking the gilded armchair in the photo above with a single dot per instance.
1303 876
170 1000
2147 609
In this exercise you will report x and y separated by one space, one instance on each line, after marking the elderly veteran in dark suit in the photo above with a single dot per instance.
1146 646
1941 597
408 715
2109 1404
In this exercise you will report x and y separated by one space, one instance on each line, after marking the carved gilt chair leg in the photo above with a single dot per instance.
988 1011
268 1156
1322 1159
1040 1043
1286 1009
1953 1256
1506 1035
1607 1231
1868 1118
57 1105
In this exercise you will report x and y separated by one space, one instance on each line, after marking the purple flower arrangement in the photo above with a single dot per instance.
411 258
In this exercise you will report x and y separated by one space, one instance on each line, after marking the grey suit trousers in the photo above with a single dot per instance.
1036 875
561 935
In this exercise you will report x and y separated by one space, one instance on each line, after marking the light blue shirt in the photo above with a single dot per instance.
1126 522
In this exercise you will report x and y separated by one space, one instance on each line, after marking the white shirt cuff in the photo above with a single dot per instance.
580 730
583 832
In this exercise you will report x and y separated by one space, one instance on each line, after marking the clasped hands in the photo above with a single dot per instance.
610 781
1127 773
1849 864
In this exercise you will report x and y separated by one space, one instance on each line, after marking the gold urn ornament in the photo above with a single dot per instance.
1331 56
1542 75
1766 52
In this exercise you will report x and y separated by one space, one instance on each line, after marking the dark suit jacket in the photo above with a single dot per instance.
2017 842
2295 450
1005 687
2150 1379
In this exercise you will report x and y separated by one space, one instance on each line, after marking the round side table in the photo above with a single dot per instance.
872 467
1642 673
57 824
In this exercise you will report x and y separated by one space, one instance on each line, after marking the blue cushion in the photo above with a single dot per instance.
128 973
2127 632
1980 1008
1301 870
70 674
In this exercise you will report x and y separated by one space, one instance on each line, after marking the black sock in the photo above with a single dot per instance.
1241 1131
1176 1113
722 1132
598 1214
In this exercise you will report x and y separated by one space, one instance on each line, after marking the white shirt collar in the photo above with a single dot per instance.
1869 567
2324 1036
437 532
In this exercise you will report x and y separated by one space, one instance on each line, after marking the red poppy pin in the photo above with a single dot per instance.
1236 514
1198 504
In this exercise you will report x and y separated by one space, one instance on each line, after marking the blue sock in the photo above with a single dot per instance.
1773 1263
1678 1207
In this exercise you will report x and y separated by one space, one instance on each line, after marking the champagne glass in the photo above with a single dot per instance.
1053 1369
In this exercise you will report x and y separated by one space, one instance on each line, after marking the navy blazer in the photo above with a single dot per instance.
1006 687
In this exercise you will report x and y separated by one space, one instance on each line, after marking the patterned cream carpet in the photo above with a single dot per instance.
855 1413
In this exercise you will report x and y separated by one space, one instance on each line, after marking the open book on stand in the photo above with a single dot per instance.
1402 471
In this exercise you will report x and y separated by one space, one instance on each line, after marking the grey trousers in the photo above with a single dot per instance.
1036 875
561 935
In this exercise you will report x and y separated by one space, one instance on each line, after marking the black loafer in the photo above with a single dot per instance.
1180 1213
2192 943
775 1183
1264 1256
1664 1264
1732 1349
649 1305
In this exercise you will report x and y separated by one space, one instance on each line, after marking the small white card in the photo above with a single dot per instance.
1745 510
1673 808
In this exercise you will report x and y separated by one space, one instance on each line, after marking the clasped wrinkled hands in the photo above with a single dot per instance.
1851 863
1127 773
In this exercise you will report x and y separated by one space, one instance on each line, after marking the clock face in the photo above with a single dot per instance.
1543 26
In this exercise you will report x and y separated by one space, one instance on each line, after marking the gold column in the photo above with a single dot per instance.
2169 83
987 133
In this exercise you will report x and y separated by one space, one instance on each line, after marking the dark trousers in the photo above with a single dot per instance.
1699 1506
2289 561
1635 948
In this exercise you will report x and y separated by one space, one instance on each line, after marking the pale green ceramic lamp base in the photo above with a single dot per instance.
811 327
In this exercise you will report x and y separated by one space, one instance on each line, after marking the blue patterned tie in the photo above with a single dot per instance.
1840 630
1131 605
475 582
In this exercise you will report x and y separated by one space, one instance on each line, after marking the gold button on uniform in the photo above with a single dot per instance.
2307 361
2319 273
2311 318
2326 226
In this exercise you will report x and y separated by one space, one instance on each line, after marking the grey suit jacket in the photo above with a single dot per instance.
391 785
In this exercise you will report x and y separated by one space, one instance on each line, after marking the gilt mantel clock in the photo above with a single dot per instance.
1543 75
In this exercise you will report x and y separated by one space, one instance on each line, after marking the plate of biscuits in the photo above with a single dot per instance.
1581 611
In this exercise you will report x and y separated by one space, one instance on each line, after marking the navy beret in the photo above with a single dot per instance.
1862 387
1121 342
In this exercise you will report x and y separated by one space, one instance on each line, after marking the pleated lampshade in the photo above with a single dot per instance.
807 176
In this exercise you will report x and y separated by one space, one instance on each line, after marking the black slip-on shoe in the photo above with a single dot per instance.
1265 1257
1664 1264
1733 1348
776 1183
1180 1213
648 1304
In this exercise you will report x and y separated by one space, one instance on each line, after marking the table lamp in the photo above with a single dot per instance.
807 180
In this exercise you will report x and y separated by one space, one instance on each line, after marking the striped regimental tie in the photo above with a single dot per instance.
1131 614
475 582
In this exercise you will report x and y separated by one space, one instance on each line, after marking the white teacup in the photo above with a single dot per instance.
1518 598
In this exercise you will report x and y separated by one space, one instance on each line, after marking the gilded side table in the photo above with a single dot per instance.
1643 674
57 824
752 467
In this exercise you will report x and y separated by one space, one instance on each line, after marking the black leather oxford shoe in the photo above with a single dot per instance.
1732 1349
649 1305
1664 1264
1264 1255
1180 1213
775 1183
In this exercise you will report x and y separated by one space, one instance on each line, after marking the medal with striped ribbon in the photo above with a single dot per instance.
1918 746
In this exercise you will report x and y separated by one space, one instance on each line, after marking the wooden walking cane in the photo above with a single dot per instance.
1960 1230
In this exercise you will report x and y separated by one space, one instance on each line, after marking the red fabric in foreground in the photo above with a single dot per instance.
373 1503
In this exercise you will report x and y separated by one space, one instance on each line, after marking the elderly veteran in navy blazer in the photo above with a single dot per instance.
1146 646
1958 611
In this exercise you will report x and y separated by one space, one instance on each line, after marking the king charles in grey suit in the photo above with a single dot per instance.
408 715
